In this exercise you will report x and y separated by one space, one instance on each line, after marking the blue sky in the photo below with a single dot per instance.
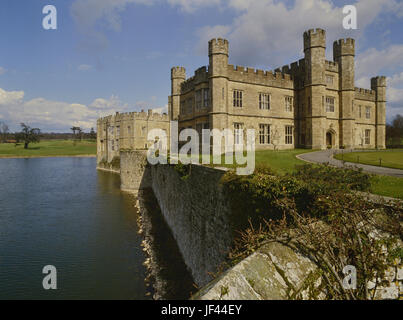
116 55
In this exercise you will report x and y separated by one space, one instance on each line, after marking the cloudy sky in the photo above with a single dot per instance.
116 55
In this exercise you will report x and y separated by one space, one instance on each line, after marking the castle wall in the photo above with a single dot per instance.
127 131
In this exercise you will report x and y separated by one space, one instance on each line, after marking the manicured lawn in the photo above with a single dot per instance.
387 186
281 162
284 162
389 158
49 148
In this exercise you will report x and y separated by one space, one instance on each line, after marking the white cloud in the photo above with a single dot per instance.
269 32
191 6
2 71
59 116
374 60
84 67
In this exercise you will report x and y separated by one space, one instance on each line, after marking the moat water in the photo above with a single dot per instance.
62 212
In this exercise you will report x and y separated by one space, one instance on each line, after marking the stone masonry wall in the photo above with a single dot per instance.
198 213
193 205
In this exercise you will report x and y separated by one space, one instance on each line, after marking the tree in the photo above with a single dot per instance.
29 135
394 131
4 131
93 135
77 132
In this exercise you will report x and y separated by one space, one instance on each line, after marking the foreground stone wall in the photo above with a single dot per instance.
194 206
199 215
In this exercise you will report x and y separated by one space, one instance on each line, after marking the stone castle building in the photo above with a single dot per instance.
127 131
313 103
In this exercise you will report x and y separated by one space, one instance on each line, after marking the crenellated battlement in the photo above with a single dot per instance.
251 75
314 38
131 116
178 73
218 46
344 47
378 82
365 94
331 66
201 75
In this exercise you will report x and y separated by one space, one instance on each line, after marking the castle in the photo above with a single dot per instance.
312 103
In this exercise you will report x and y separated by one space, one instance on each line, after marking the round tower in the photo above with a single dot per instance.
343 54
178 76
378 84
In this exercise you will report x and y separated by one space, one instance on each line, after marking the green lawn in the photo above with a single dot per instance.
387 186
282 162
49 148
285 161
389 158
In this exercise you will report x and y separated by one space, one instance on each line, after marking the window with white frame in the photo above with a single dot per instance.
367 136
288 134
238 133
288 104
329 104
264 133
329 79
264 101
238 98
368 112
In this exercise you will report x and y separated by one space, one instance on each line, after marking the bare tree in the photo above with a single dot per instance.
275 137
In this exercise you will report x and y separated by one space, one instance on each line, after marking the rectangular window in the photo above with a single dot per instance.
264 133
118 131
368 112
359 111
264 101
190 106
329 104
198 99
367 136
183 107
129 130
288 104
206 98
329 79
237 99
288 134
238 133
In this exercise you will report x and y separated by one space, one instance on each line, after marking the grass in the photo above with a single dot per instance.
282 162
387 186
285 161
386 158
49 148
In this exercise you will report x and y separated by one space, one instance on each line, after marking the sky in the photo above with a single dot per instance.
116 55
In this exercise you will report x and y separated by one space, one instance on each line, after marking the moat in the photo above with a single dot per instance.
62 212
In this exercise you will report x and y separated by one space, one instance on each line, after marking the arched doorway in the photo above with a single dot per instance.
330 140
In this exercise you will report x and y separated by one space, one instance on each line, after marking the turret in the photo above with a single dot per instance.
315 86
218 81
178 76
343 54
378 84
